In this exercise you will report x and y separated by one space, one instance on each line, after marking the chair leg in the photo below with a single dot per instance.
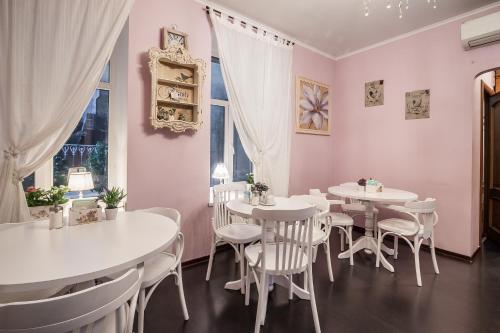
305 280
349 236
211 259
290 287
247 286
379 248
181 293
315 253
396 241
242 267
342 241
260 303
313 302
433 255
236 257
417 261
141 309
328 259
264 304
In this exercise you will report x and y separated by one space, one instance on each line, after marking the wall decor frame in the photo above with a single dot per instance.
173 37
176 89
312 107
417 104
374 93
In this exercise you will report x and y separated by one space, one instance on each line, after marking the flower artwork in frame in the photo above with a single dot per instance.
312 107
374 93
418 104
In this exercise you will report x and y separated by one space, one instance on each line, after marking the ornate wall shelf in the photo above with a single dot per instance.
176 89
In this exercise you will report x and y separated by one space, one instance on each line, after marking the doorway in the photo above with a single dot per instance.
490 226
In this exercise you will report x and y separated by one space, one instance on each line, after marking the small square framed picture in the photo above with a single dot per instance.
173 37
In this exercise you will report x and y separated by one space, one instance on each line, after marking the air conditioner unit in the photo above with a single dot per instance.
481 31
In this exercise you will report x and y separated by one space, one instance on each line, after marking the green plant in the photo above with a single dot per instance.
250 178
39 197
112 197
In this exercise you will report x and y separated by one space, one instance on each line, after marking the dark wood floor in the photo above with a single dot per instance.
463 298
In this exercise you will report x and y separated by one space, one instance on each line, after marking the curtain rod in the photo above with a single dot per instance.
207 9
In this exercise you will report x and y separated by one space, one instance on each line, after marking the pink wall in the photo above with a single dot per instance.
173 170
432 157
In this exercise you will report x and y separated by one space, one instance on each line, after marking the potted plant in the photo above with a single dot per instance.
40 201
112 199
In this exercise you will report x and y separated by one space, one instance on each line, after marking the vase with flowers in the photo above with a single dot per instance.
260 189
112 198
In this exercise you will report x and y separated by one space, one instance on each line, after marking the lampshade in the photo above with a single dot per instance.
220 172
80 181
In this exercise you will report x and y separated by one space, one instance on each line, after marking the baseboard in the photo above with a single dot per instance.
426 248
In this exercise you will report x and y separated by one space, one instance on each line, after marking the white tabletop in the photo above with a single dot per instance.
34 257
387 195
241 208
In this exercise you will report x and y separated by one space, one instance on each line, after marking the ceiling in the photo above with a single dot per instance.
339 27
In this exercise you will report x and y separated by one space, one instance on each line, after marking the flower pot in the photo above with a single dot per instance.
111 213
263 198
40 212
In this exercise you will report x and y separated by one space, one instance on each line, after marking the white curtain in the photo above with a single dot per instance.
257 72
52 54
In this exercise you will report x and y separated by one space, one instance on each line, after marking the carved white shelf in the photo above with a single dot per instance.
176 89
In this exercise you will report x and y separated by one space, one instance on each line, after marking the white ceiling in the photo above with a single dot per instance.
339 27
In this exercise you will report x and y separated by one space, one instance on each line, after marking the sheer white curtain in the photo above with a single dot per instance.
257 71
52 54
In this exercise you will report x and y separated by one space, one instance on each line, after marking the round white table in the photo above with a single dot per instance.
32 257
240 208
368 241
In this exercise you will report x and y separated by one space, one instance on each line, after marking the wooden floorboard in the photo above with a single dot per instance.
465 297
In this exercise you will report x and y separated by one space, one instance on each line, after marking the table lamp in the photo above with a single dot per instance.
220 172
80 181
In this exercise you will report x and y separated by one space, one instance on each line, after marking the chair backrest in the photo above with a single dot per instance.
84 309
224 193
295 242
167 212
425 213
321 203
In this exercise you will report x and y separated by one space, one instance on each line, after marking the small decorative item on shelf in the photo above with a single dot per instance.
41 201
362 184
112 199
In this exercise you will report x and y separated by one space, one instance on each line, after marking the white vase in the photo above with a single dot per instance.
111 213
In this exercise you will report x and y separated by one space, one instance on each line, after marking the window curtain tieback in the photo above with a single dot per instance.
11 153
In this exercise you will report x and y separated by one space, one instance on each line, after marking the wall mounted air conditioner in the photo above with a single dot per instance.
481 31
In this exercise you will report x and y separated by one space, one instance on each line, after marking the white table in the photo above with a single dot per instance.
32 257
368 241
240 208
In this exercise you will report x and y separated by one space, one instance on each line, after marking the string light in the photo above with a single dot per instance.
403 5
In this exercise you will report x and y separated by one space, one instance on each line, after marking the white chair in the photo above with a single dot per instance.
420 226
291 254
162 266
231 229
322 227
341 221
354 207
102 308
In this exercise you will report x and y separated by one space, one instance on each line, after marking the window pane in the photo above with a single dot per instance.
216 139
218 89
29 181
105 74
87 145
241 163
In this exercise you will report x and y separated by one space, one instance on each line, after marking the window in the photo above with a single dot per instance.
225 143
88 144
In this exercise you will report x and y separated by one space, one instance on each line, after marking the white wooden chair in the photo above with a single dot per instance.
354 207
420 226
231 229
291 254
161 266
343 222
323 225
103 308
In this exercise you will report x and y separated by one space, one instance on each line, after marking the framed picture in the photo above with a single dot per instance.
418 104
173 37
374 93
312 107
